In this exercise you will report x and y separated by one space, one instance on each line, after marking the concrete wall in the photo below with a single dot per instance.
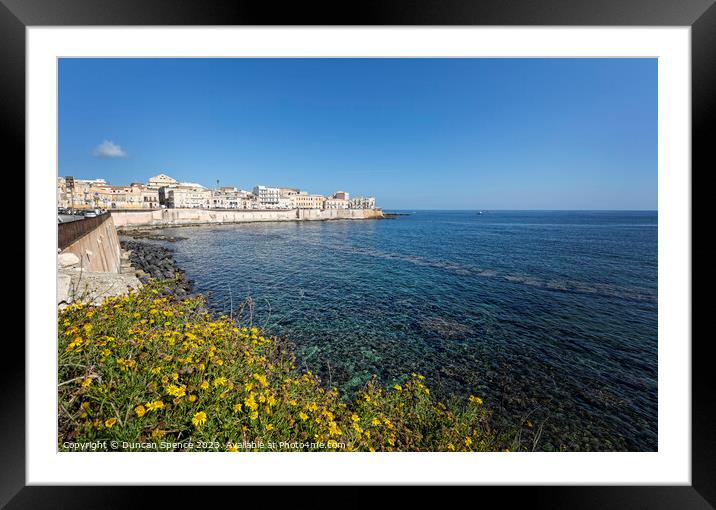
161 217
98 250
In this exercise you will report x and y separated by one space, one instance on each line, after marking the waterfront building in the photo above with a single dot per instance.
150 198
188 195
289 192
268 198
166 191
362 203
77 193
228 197
134 196
335 203
161 181
303 200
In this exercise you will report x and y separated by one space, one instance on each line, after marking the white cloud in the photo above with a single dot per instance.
109 149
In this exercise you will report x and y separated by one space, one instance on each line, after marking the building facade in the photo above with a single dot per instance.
268 198
335 203
162 190
362 203
188 195
303 200
161 181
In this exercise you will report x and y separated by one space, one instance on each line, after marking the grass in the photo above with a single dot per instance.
149 372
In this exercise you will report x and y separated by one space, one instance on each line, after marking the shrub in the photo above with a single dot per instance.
148 369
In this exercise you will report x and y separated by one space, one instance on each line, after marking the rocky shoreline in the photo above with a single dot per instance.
154 261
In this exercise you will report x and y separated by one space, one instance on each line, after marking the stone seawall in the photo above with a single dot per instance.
167 217
98 250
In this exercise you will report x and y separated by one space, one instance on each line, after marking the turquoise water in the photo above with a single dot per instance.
550 316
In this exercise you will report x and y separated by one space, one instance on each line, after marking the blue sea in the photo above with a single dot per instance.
550 317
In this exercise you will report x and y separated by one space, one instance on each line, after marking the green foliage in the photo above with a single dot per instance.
147 369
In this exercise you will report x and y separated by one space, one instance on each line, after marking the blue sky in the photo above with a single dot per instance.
415 133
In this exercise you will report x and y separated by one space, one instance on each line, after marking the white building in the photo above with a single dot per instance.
335 203
268 198
362 203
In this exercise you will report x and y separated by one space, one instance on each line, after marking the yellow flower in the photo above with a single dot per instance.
261 379
303 416
140 410
375 421
176 391
254 415
109 422
451 447
232 448
199 419
468 441
237 408
153 406
475 400
250 402
333 429
204 385
293 403
355 418
219 381
269 427
192 398
398 387
86 382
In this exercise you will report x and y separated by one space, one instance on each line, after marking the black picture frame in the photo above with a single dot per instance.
700 15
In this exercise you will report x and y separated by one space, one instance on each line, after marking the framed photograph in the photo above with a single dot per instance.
440 244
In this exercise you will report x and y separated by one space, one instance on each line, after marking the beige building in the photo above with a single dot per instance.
303 200
78 193
288 192
161 181
188 195
134 196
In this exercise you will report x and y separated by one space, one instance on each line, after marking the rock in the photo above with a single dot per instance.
63 289
67 259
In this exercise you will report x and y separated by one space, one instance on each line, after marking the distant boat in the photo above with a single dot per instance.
480 212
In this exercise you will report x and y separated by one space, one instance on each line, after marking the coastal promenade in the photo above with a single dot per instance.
174 217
